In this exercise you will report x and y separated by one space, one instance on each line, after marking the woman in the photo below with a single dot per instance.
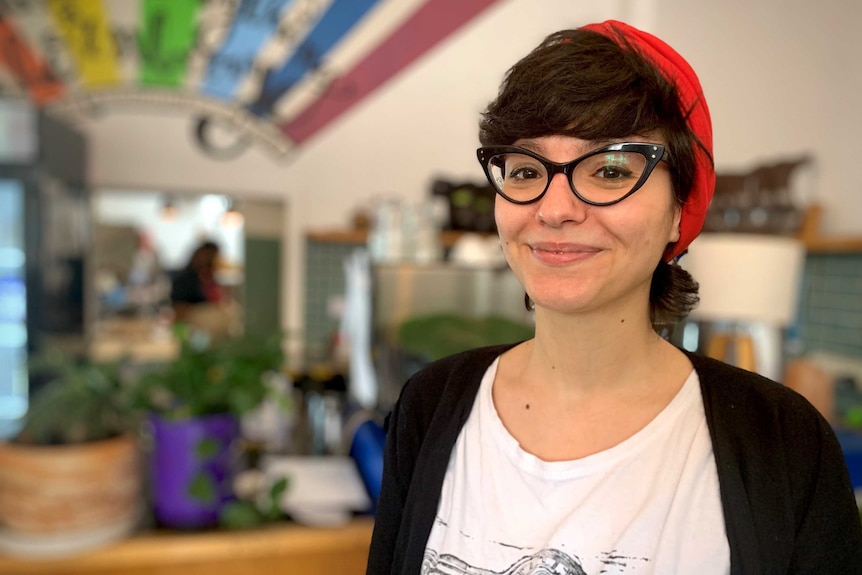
199 301
597 446
196 284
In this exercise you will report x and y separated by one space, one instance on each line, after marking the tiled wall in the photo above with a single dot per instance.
324 279
831 305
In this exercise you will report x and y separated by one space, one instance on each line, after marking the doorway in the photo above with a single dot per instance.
144 239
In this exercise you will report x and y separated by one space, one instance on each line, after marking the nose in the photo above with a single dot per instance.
559 204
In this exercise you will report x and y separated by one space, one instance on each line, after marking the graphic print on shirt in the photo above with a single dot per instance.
545 562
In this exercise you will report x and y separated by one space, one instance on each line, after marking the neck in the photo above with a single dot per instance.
603 350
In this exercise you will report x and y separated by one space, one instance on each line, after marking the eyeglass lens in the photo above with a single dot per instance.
603 177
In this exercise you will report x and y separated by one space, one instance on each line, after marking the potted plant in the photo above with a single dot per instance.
195 404
71 478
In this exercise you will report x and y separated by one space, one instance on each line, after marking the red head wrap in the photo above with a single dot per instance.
679 73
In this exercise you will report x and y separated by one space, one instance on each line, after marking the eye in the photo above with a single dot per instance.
523 173
519 168
610 168
611 172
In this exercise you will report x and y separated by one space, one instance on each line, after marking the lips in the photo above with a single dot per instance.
553 253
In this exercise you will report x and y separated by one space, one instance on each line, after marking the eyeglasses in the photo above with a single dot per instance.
600 178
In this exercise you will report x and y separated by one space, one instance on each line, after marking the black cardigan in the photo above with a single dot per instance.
785 491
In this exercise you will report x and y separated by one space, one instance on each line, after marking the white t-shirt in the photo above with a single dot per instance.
647 506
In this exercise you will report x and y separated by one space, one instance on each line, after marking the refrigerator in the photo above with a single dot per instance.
44 249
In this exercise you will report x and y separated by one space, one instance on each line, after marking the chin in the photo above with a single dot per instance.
564 303
563 289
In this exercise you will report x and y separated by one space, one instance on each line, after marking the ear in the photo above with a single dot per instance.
677 220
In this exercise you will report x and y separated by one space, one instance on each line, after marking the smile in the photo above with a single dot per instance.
562 254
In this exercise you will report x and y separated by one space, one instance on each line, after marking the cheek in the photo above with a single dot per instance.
506 220
657 222
648 230
510 224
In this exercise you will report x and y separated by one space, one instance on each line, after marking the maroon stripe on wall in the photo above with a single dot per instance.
431 23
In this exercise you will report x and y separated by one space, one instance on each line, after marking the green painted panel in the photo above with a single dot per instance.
167 36
262 286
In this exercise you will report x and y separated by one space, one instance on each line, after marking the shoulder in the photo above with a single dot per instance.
749 413
730 389
781 469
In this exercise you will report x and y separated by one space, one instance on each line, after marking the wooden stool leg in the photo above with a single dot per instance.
744 348
717 346
737 349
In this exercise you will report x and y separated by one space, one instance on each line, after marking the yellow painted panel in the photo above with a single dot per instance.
83 24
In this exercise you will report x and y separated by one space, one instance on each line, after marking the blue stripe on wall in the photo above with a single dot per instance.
255 22
339 18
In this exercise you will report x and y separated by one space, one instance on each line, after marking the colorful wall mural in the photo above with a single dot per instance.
275 72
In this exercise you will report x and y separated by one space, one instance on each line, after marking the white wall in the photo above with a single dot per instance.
780 76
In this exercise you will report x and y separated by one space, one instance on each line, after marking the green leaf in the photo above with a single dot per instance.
207 448
278 488
224 376
81 401
273 510
240 515
203 488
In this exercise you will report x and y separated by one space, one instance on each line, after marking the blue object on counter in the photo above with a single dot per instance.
851 445
366 449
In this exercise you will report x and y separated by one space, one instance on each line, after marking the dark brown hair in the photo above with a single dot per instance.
582 84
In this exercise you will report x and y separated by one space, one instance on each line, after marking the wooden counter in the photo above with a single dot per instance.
283 549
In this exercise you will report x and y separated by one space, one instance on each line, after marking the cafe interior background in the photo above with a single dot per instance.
327 146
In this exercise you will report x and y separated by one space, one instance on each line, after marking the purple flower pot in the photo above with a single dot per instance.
191 469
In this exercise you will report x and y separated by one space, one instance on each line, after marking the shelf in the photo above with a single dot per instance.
357 237
815 243
360 237
834 245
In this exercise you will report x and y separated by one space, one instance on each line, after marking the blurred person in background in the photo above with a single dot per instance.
198 299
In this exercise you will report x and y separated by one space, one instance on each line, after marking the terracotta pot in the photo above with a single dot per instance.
55 489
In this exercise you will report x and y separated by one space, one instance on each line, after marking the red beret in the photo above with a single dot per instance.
679 73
